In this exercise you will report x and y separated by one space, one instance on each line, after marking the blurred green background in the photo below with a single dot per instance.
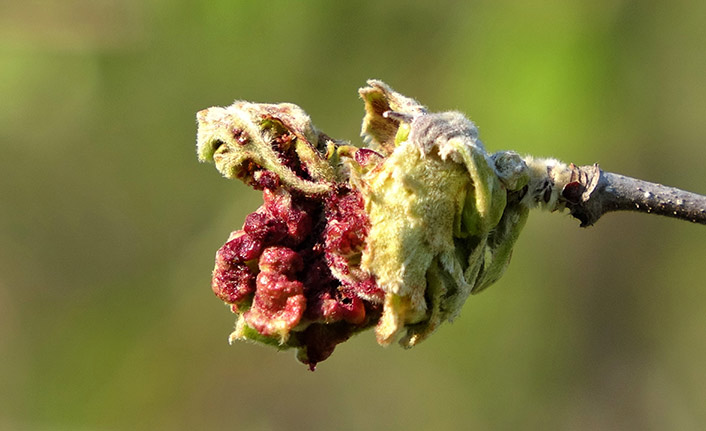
109 225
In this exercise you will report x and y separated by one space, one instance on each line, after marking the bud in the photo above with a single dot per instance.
395 235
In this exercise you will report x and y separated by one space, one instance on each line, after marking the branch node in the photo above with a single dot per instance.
583 182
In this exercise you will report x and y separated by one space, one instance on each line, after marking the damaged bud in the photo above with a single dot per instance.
393 236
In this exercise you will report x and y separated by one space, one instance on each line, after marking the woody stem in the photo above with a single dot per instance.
590 192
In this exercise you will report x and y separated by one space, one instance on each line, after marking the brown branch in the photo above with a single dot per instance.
591 192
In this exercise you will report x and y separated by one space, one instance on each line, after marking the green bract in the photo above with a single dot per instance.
444 214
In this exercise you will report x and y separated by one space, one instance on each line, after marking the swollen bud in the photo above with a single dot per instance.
396 235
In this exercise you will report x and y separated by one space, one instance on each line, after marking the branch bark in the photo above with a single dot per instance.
590 192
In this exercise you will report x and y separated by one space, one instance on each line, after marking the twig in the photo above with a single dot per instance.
590 192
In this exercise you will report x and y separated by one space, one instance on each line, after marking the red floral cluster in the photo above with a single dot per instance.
292 270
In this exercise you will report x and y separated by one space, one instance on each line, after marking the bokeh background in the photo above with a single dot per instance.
108 224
